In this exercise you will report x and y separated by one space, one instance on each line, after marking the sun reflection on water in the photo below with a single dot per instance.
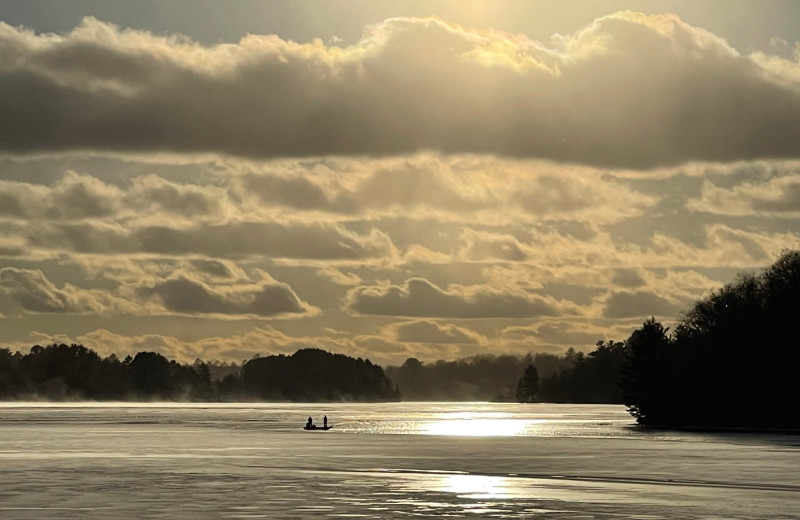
475 486
477 427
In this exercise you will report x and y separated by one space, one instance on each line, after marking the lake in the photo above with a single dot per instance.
387 460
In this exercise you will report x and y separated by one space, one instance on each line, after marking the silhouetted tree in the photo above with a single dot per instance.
587 378
644 382
150 375
62 372
230 388
203 390
477 378
528 385
11 380
314 375
707 374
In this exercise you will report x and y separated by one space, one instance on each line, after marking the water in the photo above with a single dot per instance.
398 460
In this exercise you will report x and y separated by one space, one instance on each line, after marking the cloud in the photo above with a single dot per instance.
148 288
142 271
778 196
419 297
427 331
552 332
627 90
338 277
324 241
376 185
12 246
639 304
320 240
33 292
580 196
197 286
295 191
77 196
29 291
724 246
413 185
74 196
150 193
629 278
222 269
82 196
184 295
480 245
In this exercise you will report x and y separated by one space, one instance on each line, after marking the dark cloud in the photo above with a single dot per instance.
216 268
312 241
82 237
582 294
403 186
639 304
296 192
628 278
234 239
425 331
418 297
556 332
33 292
189 296
628 90
29 291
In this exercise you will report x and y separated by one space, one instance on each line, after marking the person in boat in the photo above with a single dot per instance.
325 422
310 423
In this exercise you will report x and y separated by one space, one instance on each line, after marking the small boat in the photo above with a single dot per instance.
315 427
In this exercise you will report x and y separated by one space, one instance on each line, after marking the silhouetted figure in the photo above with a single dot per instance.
325 422
310 423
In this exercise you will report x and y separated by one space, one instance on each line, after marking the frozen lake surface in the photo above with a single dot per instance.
395 460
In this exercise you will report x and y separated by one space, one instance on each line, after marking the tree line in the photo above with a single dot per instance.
732 360
573 377
74 372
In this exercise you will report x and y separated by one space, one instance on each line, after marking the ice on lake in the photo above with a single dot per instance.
395 460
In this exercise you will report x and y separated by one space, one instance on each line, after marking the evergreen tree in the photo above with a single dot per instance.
644 382
528 385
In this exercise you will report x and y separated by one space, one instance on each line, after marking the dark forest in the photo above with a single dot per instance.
73 372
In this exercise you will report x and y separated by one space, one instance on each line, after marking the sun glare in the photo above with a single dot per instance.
476 427
475 486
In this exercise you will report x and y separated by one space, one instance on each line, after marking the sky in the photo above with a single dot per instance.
387 179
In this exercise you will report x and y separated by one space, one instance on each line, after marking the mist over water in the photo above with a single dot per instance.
387 460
